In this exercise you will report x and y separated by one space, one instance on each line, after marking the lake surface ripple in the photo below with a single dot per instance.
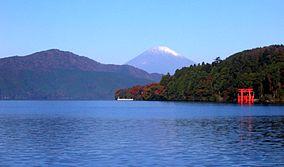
111 133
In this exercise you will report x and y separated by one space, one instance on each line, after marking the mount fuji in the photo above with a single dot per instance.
161 60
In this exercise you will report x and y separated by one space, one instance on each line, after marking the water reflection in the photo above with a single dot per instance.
246 127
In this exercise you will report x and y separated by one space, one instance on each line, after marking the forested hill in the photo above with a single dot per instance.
259 68
56 74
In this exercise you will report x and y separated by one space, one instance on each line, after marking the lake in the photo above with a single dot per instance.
136 133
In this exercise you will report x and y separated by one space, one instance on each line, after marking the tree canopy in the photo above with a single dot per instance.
260 68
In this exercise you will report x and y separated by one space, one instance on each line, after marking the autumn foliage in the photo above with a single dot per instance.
153 91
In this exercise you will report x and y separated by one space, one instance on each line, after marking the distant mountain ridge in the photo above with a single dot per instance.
55 74
160 59
56 59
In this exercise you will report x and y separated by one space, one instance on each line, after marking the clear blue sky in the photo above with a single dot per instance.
114 31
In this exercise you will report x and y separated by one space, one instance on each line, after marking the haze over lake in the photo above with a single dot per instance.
103 133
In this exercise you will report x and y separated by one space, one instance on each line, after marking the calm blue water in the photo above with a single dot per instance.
111 133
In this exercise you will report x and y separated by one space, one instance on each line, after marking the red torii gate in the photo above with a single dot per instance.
245 96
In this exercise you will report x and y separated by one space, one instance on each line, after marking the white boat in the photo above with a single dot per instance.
124 99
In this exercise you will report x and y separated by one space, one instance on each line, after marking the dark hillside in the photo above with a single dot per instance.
56 74
260 68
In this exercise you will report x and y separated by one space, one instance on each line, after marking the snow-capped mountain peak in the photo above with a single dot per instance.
164 49
160 59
